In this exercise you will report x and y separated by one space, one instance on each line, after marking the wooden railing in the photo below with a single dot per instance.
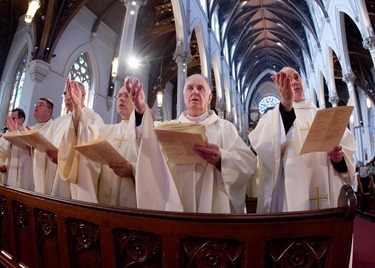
43 231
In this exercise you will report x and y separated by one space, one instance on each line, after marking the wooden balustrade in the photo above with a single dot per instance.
44 231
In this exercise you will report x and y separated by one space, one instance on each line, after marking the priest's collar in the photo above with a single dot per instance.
199 118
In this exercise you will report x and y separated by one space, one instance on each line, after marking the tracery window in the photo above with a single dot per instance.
80 71
18 85
268 102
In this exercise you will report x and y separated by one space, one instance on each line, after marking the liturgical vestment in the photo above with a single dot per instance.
194 187
289 181
20 169
104 186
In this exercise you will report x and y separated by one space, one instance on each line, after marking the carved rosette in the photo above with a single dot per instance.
21 212
3 208
84 244
212 253
311 252
47 223
137 248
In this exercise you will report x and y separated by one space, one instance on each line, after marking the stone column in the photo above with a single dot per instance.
182 58
128 32
125 47
353 101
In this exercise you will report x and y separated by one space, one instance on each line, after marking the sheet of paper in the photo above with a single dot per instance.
32 138
100 151
177 141
327 129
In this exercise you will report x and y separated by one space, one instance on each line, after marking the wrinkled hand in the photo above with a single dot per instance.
123 169
284 86
210 152
336 154
136 94
52 155
3 169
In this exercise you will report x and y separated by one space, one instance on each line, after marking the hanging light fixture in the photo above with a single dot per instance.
114 66
368 102
159 97
33 7
352 119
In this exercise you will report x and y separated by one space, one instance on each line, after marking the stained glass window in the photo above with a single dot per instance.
268 102
18 85
80 71
372 126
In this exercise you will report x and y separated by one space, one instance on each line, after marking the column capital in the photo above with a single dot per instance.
38 69
348 78
369 42
137 2
334 99
181 56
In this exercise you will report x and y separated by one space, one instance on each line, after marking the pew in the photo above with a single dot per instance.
44 231
366 194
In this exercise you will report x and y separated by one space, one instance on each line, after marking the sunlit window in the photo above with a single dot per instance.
372 126
80 71
267 103
18 85
203 4
317 14
215 24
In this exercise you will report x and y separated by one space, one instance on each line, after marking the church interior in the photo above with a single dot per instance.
237 45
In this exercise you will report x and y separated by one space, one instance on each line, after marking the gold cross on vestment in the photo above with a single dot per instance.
318 197
307 128
120 140
110 196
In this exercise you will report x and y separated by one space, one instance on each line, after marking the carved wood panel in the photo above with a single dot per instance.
4 226
47 238
137 248
207 253
84 244
304 252
23 233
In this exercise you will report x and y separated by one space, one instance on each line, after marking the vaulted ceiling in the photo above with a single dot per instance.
261 34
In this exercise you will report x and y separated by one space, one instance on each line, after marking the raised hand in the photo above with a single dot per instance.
75 94
12 124
136 94
284 86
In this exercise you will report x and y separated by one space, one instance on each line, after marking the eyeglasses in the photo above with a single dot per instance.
120 95
40 104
